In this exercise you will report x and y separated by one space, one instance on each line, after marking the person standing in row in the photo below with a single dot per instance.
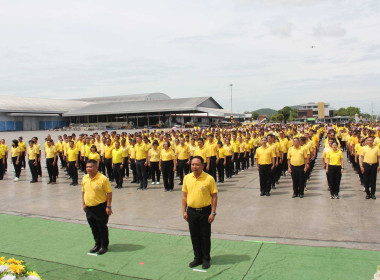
334 169
297 167
168 165
228 161
265 161
22 146
2 161
51 161
117 165
183 159
199 201
94 155
153 162
141 151
16 154
37 146
72 162
369 166
96 200
108 159
32 161
221 162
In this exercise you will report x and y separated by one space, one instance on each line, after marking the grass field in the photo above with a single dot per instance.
58 250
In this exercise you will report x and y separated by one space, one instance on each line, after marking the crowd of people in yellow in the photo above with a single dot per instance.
277 149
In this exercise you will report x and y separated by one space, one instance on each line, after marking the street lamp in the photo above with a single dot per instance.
231 105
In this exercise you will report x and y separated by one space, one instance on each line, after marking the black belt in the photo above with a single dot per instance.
371 164
200 209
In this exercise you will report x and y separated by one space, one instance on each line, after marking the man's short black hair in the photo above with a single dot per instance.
198 157
92 161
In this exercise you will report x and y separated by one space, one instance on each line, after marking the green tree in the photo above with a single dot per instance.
277 118
287 112
255 115
349 111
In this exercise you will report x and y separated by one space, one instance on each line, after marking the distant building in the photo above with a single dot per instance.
123 111
312 111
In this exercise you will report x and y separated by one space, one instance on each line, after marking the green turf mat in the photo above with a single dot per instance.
276 261
164 256
58 250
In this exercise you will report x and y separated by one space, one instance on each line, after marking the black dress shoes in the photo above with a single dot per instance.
95 249
262 193
195 263
301 195
205 264
367 196
102 251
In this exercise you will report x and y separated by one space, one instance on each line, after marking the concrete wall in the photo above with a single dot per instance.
11 123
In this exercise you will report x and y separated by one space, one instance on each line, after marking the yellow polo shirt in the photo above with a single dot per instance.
95 189
94 156
154 155
141 150
182 152
371 155
22 146
15 151
87 149
50 152
167 155
265 155
212 148
108 151
117 155
72 154
201 152
222 152
228 150
199 189
335 158
31 153
297 156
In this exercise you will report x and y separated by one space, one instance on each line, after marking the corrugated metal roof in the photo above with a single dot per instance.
15 104
129 97
179 104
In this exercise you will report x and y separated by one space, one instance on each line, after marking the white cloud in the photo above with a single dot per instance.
333 31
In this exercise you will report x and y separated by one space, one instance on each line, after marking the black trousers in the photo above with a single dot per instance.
243 161
200 232
369 177
252 157
168 174
97 218
33 169
133 169
334 175
102 166
126 167
236 163
298 177
2 169
51 169
39 169
229 166
284 166
265 177
141 173
155 171
73 171
22 159
221 169
108 167
17 167
212 170
182 170
118 174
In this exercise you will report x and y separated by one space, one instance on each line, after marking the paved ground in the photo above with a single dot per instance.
316 220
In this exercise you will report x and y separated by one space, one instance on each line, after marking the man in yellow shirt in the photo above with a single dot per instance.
39 154
369 166
199 200
22 146
265 161
211 145
298 165
182 152
72 162
51 161
108 158
97 199
32 161
141 151
118 164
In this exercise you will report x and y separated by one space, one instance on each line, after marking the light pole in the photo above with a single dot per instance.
231 97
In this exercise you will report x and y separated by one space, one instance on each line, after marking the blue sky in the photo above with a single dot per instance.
70 49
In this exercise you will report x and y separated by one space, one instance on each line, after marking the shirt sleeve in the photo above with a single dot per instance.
213 188
184 187
107 186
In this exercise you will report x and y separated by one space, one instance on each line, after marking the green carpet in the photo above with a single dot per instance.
58 250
